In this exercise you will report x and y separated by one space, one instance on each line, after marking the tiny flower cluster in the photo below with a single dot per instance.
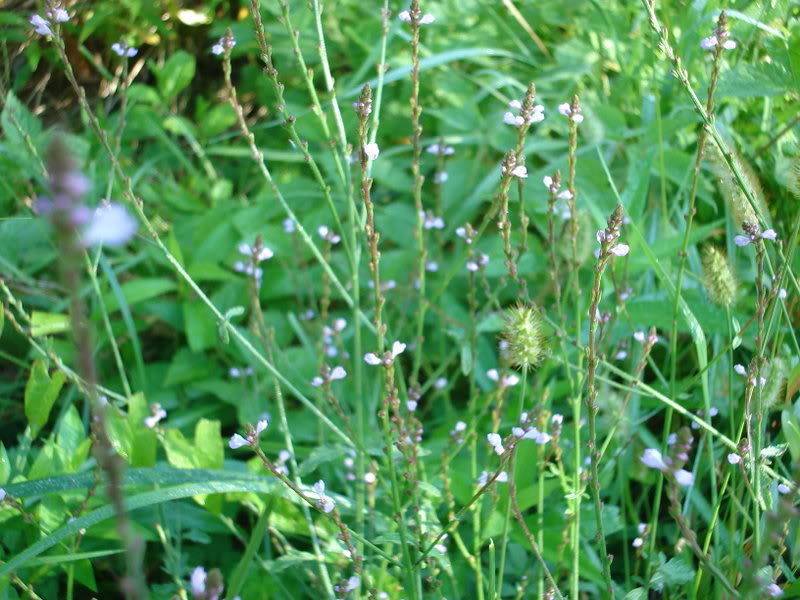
753 235
237 441
484 477
224 44
466 233
156 414
441 149
329 334
237 372
575 115
122 49
535 115
476 265
371 358
257 254
328 235
329 375
407 17
507 380
325 503
741 370
430 221
43 25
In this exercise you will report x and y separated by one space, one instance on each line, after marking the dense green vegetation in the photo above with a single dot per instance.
463 300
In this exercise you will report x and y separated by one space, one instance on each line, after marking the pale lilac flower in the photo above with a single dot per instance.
510 118
427 19
41 25
2 494
122 49
440 149
370 478
431 221
774 590
338 373
460 426
637 542
496 442
372 359
782 294
432 266
372 151
520 171
782 488
502 477
324 502
284 455
440 177
566 110
684 477
621 355
288 225
472 266
710 42
237 372
353 583
158 413
411 405
557 418
110 225
224 43
317 381
740 370
734 458
198 581
440 383
263 253
639 336
744 240
652 458
328 235
620 250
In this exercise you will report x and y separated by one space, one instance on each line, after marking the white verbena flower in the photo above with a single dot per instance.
496 442
110 225
158 414
2 494
782 488
653 459
734 458
744 240
122 49
325 503
637 542
224 43
440 149
566 110
684 477
520 171
440 177
41 25
197 581
710 42
372 151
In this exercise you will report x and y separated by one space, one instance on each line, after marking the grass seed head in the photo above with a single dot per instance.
524 333
718 278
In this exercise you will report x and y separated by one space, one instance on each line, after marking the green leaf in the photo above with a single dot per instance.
139 290
209 447
320 455
638 593
41 392
674 572
753 80
143 451
43 323
791 431
5 465
201 330
794 55
180 451
85 574
176 74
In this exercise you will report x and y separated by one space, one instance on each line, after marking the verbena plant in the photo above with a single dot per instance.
288 313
